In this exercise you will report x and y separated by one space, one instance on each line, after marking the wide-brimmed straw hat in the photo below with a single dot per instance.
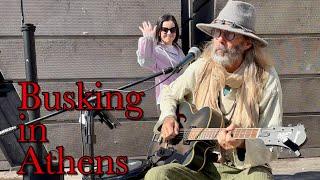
238 17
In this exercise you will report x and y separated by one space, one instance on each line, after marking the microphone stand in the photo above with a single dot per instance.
89 140
163 72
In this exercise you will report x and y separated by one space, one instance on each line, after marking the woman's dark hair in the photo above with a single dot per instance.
167 17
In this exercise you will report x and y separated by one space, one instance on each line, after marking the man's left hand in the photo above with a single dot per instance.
226 140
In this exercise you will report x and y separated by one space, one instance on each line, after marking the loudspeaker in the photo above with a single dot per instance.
192 13
13 150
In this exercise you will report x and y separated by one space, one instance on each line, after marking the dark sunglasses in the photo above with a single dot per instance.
172 30
226 34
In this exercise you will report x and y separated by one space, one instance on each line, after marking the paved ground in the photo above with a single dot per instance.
300 168
284 169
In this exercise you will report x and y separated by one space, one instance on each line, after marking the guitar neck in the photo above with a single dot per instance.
201 134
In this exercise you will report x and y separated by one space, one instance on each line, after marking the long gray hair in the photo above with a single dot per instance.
257 63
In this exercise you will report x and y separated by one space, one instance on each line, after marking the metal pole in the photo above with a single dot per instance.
31 75
190 14
90 141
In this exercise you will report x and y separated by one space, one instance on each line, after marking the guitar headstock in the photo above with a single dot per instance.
289 137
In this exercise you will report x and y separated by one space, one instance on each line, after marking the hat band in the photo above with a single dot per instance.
233 25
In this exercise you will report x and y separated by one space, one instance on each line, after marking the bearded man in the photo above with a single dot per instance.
235 77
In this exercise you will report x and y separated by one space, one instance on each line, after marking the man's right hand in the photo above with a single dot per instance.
170 128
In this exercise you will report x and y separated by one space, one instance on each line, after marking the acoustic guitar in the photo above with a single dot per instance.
194 143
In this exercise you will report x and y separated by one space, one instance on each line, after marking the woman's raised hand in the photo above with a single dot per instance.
147 29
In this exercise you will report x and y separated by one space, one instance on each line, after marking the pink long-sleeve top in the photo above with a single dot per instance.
157 57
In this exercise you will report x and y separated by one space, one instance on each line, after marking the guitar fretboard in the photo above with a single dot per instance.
197 134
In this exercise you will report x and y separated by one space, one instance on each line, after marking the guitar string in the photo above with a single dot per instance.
247 133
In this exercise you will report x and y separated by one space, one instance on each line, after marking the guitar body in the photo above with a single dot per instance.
192 154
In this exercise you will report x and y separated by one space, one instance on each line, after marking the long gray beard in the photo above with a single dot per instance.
230 56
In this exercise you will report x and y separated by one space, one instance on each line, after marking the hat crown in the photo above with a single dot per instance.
240 13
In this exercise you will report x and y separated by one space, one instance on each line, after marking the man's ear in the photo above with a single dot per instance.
247 44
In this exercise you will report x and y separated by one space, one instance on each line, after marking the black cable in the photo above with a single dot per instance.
22 14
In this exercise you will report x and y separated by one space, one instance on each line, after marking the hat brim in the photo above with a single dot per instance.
207 28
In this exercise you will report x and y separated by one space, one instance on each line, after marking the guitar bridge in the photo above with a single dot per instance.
185 142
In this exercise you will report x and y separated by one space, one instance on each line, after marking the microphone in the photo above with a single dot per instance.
192 55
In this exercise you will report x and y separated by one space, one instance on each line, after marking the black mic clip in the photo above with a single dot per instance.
106 118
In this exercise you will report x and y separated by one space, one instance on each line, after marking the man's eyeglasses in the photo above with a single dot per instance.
226 34
172 30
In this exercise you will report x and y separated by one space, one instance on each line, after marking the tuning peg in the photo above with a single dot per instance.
271 149
281 149
298 154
